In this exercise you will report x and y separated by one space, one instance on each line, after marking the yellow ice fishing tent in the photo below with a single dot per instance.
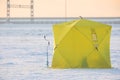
81 44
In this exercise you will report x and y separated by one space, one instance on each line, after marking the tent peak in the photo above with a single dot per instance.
81 17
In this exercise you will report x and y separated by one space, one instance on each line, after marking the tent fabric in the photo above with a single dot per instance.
81 44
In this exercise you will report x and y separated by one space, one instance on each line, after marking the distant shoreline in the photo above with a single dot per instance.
53 20
60 17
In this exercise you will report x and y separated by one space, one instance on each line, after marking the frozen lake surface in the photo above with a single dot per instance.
23 55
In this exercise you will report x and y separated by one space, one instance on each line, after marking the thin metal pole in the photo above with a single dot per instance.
47 58
66 10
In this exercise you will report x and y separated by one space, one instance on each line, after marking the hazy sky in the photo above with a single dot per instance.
56 8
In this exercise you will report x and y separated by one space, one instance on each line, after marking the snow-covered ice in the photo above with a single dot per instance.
23 55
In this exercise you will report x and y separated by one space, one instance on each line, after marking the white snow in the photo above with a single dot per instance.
23 55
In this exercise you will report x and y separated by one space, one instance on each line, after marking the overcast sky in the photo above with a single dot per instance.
56 8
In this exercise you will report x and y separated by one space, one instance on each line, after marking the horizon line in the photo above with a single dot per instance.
56 17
